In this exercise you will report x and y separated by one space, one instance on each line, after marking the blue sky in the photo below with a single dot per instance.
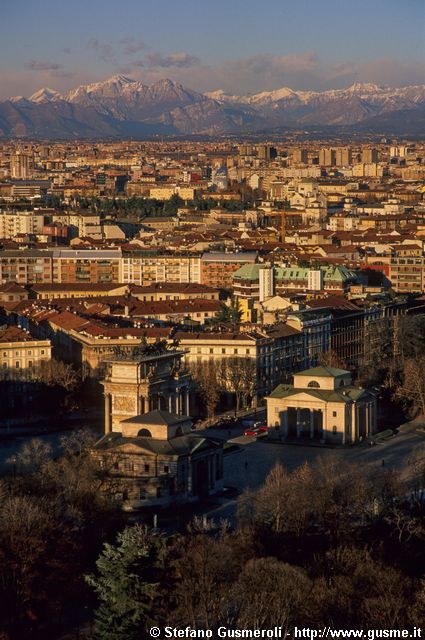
238 45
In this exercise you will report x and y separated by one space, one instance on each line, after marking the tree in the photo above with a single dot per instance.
205 569
207 383
331 358
125 585
238 376
228 313
277 596
57 373
409 386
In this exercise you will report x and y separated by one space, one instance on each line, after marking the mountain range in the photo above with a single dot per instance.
122 107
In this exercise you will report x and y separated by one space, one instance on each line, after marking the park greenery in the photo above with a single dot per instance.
323 545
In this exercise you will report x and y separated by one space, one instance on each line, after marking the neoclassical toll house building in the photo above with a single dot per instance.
322 404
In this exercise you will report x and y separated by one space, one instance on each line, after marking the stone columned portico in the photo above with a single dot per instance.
322 405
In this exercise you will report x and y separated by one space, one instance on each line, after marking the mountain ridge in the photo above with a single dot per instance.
121 104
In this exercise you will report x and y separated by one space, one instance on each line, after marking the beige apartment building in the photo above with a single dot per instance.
148 267
14 223
407 270
19 350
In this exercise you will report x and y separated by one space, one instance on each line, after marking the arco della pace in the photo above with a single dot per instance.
150 453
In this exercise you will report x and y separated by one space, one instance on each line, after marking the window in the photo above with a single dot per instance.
334 429
158 492
16 365
146 468
334 414
313 384
211 350
142 494
42 352
166 468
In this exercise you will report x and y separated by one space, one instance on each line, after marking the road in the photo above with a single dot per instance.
248 466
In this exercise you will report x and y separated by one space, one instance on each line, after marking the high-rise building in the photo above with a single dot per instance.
327 157
344 157
300 156
21 166
266 152
265 275
370 154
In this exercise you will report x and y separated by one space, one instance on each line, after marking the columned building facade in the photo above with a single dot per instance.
146 383
322 405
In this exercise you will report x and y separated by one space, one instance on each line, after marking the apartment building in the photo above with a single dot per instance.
335 279
407 273
19 350
24 266
14 223
147 267
217 269
85 265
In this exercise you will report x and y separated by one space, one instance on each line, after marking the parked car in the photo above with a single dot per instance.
261 426
252 431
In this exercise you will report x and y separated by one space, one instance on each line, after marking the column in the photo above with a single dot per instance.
170 403
311 423
285 423
298 424
187 402
179 402
367 419
107 413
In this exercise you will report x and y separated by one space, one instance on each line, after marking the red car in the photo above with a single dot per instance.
252 431
261 426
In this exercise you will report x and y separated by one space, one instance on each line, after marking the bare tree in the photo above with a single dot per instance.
57 373
205 375
239 376
409 388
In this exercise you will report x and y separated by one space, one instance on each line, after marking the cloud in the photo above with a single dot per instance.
37 65
265 72
104 50
384 71
179 59
133 46
303 70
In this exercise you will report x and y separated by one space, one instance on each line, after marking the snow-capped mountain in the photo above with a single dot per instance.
45 95
331 107
121 106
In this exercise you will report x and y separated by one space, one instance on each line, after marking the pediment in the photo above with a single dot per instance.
305 396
